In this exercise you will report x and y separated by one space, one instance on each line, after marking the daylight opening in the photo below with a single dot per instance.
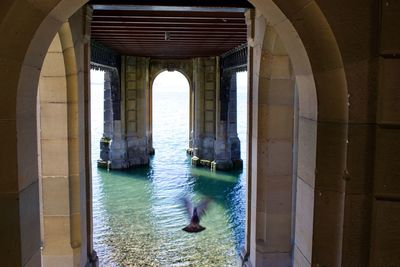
97 112
170 112
138 216
241 82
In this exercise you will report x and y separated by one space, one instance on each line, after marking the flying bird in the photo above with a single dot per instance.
195 213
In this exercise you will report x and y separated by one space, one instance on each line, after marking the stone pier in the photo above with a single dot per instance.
127 137
227 145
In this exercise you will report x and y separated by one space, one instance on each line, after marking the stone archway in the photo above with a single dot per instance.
317 60
64 215
185 108
319 78
53 161
22 57
185 67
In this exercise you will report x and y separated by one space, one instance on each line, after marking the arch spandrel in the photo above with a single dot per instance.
185 67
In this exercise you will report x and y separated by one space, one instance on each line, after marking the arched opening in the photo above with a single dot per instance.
143 203
170 113
24 147
53 140
59 145
284 152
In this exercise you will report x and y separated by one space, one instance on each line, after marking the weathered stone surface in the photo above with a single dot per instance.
237 164
223 165
385 234
205 163
103 164
195 161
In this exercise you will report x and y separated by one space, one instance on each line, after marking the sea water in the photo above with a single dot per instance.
138 215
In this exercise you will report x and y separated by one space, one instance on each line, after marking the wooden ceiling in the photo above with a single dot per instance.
169 29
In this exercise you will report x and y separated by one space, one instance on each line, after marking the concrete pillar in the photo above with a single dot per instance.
204 83
108 112
223 159
272 154
136 79
227 145
118 154
149 110
198 87
192 114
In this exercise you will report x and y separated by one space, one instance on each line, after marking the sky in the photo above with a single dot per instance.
169 81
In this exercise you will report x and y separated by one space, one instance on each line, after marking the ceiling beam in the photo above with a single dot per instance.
169 8
198 3
194 29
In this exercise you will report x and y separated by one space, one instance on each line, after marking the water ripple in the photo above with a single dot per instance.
138 215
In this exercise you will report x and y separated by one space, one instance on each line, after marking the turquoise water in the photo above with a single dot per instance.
137 214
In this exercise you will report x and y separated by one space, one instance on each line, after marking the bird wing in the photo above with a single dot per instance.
202 207
188 205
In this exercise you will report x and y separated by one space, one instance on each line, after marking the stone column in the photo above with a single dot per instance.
90 252
272 142
118 155
136 113
198 87
227 145
250 66
209 108
108 113
149 116
55 182
233 139
191 117
108 119
222 159
204 83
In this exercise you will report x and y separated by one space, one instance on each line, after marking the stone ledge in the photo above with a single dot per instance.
222 165
103 164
